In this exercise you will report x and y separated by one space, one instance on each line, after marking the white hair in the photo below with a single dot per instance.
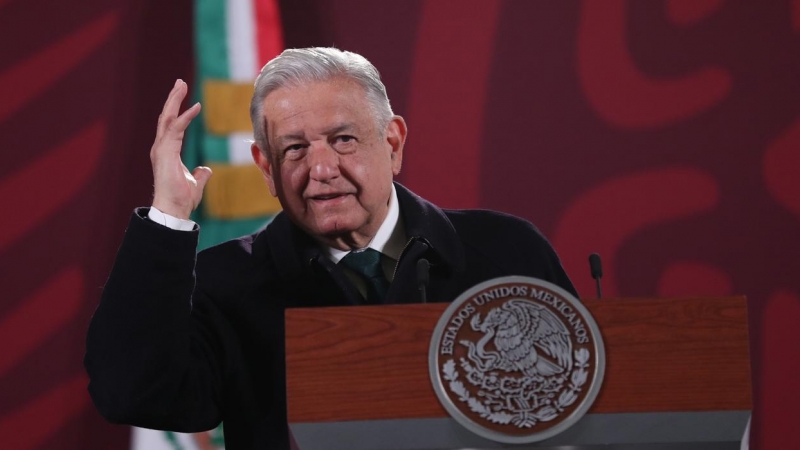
300 66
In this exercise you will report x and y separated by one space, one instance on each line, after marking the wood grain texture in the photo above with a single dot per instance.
363 363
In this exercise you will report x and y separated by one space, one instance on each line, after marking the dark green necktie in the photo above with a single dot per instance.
367 264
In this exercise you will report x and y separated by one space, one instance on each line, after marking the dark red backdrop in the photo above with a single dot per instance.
663 134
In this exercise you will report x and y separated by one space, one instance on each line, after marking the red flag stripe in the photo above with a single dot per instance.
269 31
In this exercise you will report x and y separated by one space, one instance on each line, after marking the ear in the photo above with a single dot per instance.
396 132
263 163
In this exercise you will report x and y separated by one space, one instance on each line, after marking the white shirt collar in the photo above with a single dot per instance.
390 238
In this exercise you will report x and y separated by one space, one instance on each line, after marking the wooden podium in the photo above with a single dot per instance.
677 373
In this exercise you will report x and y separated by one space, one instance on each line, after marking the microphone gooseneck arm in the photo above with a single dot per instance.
423 278
596 267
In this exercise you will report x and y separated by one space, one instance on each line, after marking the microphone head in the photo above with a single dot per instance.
595 266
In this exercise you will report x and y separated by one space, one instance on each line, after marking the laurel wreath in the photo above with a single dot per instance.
457 387
577 380
523 419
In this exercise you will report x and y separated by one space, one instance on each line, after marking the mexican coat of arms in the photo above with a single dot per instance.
516 360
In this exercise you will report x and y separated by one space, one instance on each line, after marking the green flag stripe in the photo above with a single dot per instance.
215 149
211 51
211 39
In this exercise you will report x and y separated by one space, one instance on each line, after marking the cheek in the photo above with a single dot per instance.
369 169
293 180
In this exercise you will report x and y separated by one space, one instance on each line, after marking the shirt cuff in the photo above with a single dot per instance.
169 221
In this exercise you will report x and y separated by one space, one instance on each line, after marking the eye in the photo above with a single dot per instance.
344 139
293 151
344 143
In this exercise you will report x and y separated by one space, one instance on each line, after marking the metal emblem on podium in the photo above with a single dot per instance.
516 360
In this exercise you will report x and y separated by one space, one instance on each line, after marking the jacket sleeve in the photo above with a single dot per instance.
154 351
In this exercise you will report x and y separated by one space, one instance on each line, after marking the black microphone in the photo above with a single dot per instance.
423 278
596 268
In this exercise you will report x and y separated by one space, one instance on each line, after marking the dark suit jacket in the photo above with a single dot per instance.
182 346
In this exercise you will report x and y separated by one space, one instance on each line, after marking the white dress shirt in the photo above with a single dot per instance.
170 221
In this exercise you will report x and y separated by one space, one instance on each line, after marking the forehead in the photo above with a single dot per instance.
311 107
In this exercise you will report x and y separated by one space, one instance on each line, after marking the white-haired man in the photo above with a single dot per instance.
182 341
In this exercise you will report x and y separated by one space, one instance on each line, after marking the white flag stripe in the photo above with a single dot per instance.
241 40
239 149
146 439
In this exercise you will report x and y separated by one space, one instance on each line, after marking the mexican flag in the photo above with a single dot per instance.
233 40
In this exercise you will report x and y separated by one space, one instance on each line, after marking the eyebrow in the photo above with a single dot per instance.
282 140
338 129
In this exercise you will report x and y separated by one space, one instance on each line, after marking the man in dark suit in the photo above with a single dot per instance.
182 341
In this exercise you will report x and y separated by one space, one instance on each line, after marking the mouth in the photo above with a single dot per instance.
327 196
328 199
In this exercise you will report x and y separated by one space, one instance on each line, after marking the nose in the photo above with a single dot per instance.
323 162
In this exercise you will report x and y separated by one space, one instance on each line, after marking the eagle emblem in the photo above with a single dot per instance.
519 330
517 359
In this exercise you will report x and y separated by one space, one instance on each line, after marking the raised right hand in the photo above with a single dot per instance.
177 191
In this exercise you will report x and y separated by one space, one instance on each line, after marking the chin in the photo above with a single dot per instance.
335 226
